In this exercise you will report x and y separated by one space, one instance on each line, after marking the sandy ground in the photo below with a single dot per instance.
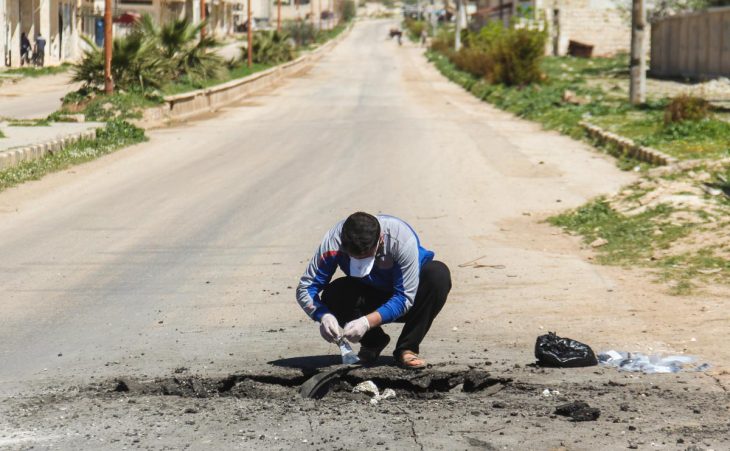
172 264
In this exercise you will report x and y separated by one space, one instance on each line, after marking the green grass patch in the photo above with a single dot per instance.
100 107
115 135
706 138
643 240
39 71
631 239
326 35
29 122
684 270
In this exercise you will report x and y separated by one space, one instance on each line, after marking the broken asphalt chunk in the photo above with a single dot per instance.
578 411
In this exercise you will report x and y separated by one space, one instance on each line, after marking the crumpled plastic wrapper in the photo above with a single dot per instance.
371 389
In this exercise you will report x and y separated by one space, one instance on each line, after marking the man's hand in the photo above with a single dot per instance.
329 328
355 329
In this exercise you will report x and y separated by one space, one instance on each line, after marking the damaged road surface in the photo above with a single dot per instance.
439 408
147 298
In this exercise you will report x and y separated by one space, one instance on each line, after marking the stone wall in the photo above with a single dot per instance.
595 22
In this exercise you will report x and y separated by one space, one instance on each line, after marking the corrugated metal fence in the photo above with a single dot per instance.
692 45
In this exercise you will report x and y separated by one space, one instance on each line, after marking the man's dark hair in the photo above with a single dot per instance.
360 233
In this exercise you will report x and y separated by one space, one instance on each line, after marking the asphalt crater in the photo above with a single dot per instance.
424 384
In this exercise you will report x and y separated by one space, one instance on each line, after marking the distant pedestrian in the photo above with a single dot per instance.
424 36
39 52
24 49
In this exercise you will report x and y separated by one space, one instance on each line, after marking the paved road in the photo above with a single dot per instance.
32 98
183 251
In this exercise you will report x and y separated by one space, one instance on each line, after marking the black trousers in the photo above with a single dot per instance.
348 299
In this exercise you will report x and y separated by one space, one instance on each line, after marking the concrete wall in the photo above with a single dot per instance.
692 45
600 23
595 22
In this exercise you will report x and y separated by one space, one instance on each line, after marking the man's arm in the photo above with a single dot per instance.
318 274
405 285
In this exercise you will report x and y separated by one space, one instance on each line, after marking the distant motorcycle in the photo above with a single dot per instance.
395 32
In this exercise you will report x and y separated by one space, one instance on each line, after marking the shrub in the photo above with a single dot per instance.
415 28
302 32
135 62
271 47
509 56
151 57
686 108
179 44
349 10
474 60
516 56
443 42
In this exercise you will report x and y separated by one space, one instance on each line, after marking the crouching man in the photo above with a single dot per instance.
389 277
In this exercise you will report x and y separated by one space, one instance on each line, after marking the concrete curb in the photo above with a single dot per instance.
184 106
620 146
13 157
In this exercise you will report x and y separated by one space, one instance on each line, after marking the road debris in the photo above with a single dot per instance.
475 264
549 393
578 411
598 242
650 364
552 350
369 388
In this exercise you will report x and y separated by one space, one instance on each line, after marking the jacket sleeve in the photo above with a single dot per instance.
318 274
405 283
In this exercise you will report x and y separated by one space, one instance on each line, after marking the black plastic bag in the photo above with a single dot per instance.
551 350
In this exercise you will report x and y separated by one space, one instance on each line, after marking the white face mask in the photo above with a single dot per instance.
361 267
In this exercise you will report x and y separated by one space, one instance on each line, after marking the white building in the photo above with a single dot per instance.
56 20
63 22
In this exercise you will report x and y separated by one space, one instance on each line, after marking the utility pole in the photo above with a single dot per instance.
108 82
202 18
250 36
433 18
457 36
278 16
637 65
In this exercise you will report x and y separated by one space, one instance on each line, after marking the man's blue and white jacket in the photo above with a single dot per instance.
398 263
